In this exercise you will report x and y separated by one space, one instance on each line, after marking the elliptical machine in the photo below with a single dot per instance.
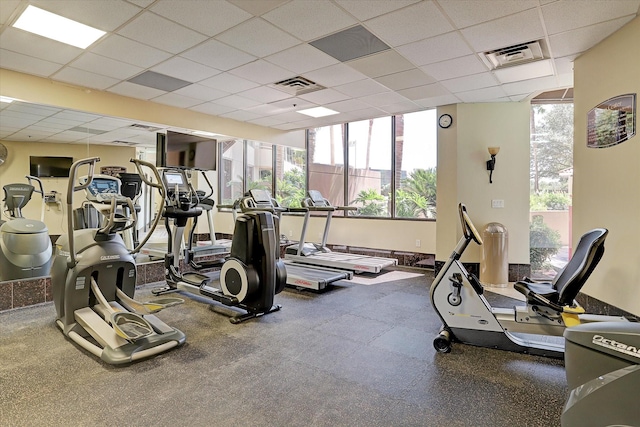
25 246
251 275
93 279
467 317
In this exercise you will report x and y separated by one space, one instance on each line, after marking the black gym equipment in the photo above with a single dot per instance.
93 279
250 276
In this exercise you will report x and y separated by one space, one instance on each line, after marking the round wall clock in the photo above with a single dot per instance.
445 121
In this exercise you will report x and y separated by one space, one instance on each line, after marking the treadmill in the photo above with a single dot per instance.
299 275
319 254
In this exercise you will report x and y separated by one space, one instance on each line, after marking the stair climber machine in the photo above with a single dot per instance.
537 328
93 279
25 246
300 276
319 254
250 276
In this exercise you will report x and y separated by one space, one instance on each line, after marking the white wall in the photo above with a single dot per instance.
463 176
606 186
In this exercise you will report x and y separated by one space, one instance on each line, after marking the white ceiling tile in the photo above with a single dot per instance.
264 94
427 91
204 93
564 16
176 100
435 49
465 13
324 96
84 78
264 110
257 8
335 75
361 88
105 66
565 79
135 91
237 102
240 115
475 81
384 98
27 64
519 28
518 98
218 55
206 17
287 126
365 114
415 22
564 64
75 116
290 116
528 71
36 109
104 15
7 8
229 82
266 121
381 64
529 86
258 38
129 51
309 20
158 32
367 9
141 3
39 47
406 79
458 67
292 104
580 40
482 95
301 58
348 105
185 69
400 107
212 108
262 72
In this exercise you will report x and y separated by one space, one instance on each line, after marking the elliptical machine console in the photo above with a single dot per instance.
251 275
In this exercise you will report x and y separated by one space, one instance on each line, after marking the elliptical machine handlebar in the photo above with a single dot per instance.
72 188
41 192
163 192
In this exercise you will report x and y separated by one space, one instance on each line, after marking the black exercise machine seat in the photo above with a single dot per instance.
564 288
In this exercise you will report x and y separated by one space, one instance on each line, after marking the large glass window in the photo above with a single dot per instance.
369 173
291 167
259 166
326 162
415 165
231 177
551 173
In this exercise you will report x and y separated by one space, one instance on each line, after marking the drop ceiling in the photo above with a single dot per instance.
223 57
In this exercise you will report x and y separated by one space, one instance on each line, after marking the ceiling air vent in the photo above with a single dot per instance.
297 86
513 55
145 127
124 142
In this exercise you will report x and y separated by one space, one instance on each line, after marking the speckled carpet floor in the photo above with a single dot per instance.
360 354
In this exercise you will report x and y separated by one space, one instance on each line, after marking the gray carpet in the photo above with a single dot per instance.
358 355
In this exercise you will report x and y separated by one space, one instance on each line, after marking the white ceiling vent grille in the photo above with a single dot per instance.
297 86
145 127
513 55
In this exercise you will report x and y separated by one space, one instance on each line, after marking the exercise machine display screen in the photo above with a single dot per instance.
173 179
103 186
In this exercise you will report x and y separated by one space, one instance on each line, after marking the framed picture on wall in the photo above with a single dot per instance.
612 121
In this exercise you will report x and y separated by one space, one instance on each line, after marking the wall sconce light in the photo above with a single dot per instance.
491 164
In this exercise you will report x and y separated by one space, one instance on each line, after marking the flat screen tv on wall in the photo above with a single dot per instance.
50 167
190 151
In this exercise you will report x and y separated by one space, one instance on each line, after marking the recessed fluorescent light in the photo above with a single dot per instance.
318 112
6 99
203 133
57 27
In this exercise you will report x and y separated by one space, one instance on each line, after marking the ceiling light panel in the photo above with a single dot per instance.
56 27
317 112
349 44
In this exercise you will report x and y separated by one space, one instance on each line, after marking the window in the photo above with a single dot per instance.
259 166
415 168
369 173
551 174
231 177
291 166
326 162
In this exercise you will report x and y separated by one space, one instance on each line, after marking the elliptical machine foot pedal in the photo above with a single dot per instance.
252 315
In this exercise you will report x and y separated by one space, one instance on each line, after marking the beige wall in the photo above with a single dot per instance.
17 166
606 186
463 176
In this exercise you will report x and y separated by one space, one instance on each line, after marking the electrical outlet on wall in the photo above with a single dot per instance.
497 203
417 243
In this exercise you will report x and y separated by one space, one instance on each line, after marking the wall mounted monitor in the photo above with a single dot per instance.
50 167
190 151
